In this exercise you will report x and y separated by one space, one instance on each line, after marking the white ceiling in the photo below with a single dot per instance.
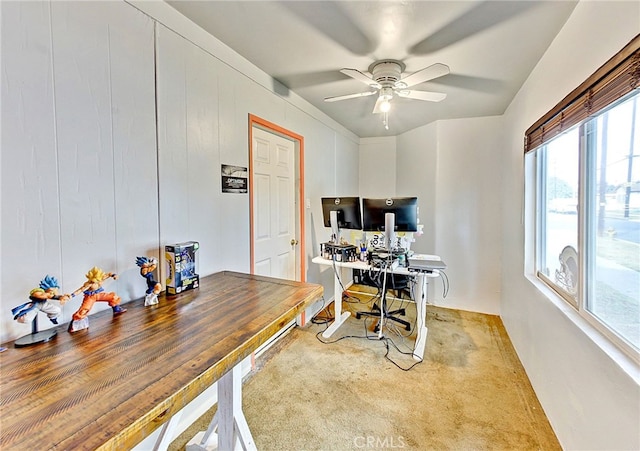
489 46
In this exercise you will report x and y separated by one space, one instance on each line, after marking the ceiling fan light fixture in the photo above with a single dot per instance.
386 80
386 93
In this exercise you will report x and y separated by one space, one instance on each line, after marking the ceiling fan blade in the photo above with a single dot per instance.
357 75
426 74
376 107
422 95
349 96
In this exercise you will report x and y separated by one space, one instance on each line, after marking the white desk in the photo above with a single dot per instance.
420 297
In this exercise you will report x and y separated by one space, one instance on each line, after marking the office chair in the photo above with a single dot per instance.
395 282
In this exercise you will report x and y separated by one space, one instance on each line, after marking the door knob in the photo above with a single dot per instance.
294 241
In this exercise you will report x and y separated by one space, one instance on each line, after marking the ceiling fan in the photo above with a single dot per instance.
386 81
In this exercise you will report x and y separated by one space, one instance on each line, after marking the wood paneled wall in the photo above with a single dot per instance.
114 127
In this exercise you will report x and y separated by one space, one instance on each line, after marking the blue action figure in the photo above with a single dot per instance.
147 266
39 300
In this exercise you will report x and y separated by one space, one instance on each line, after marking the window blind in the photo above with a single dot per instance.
615 79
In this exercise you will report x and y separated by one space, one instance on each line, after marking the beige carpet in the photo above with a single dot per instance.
470 392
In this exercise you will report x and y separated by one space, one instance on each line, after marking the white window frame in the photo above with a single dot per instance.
537 208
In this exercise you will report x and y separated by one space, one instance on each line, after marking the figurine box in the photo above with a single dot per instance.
181 267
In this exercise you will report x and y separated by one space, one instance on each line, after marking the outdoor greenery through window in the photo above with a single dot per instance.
610 145
587 186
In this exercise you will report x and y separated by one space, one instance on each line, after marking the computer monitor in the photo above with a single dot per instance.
346 214
404 216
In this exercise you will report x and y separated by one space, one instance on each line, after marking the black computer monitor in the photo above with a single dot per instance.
405 210
348 212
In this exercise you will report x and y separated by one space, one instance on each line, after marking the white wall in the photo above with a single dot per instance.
84 181
188 152
79 180
331 170
468 211
416 175
378 167
586 388
452 167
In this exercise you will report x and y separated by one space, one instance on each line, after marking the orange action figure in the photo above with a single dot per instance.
93 292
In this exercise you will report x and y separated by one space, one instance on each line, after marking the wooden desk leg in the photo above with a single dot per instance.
421 315
229 419
340 316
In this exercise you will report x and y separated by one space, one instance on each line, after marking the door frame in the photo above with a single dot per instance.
255 121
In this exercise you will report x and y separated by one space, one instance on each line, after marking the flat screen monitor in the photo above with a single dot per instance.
348 210
405 210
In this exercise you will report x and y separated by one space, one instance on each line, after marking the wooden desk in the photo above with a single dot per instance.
110 386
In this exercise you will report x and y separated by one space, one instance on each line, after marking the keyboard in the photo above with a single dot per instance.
424 263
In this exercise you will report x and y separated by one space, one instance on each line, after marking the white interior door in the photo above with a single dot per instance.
274 220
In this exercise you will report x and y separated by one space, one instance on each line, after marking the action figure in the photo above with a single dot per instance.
39 300
147 266
93 292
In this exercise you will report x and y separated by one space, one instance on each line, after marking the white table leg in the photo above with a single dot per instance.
166 433
421 315
229 419
340 316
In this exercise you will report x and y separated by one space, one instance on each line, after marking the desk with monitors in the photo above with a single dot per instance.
419 294
384 217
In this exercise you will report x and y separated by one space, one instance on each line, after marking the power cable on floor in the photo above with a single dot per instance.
374 337
317 319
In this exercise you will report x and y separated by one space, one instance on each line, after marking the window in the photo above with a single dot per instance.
587 185
558 222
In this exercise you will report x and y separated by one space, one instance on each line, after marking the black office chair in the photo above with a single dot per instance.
396 283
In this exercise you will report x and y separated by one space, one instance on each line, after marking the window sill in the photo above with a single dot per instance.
625 362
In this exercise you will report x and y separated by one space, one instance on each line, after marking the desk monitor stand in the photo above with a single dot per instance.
335 228
389 230
35 337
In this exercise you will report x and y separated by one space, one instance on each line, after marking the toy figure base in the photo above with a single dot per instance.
150 299
80 324
38 337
